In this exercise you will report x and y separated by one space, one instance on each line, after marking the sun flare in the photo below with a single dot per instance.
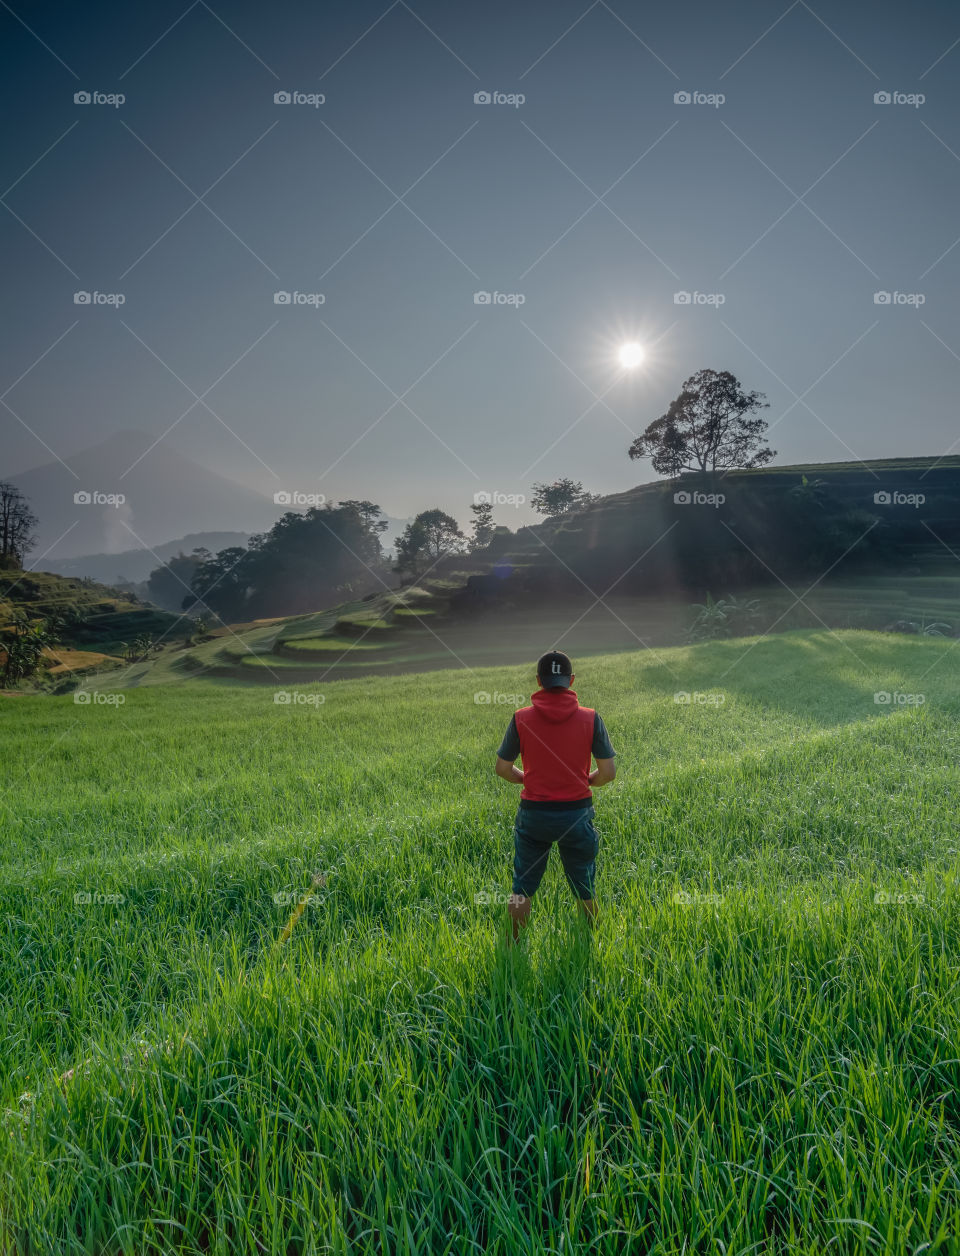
631 355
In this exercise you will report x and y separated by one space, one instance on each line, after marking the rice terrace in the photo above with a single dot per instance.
479 609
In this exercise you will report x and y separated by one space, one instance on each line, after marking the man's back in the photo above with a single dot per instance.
555 737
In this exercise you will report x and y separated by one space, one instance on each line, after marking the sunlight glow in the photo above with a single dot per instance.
631 355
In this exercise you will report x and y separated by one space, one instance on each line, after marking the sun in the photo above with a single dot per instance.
631 355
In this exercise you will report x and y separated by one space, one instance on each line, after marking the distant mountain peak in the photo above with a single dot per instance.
165 494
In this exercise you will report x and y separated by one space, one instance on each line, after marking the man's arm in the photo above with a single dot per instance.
507 753
602 774
603 752
509 771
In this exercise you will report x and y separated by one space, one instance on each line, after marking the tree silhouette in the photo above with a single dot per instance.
560 497
17 522
432 535
483 526
707 428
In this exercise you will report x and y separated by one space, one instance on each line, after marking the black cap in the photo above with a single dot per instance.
554 670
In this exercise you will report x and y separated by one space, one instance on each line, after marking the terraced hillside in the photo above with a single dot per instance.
439 626
98 622
625 572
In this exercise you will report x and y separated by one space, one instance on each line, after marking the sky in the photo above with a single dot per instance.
588 164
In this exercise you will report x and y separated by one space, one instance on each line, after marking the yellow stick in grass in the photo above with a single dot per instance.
318 881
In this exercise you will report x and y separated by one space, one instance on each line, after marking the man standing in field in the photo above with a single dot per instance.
555 738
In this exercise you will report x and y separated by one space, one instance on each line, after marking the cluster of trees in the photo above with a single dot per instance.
434 534
330 552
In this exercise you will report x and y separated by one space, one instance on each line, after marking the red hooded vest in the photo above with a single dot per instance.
556 737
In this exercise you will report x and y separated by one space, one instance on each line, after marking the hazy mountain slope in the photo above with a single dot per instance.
163 493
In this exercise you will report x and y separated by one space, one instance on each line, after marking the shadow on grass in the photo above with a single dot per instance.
823 679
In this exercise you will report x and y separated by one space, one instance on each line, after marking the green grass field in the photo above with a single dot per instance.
756 1052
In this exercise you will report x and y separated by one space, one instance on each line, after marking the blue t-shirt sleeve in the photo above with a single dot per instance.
510 746
601 748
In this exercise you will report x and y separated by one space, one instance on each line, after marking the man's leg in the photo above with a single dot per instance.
519 908
589 906
529 864
578 850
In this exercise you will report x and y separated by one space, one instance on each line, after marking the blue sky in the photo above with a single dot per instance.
786 206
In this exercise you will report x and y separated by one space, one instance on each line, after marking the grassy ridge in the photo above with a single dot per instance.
754 1051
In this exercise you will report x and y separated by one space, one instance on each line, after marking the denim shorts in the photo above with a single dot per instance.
577 842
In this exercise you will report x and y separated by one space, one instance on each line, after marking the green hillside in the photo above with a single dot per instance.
758 1052
770 524
97 623
809 543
